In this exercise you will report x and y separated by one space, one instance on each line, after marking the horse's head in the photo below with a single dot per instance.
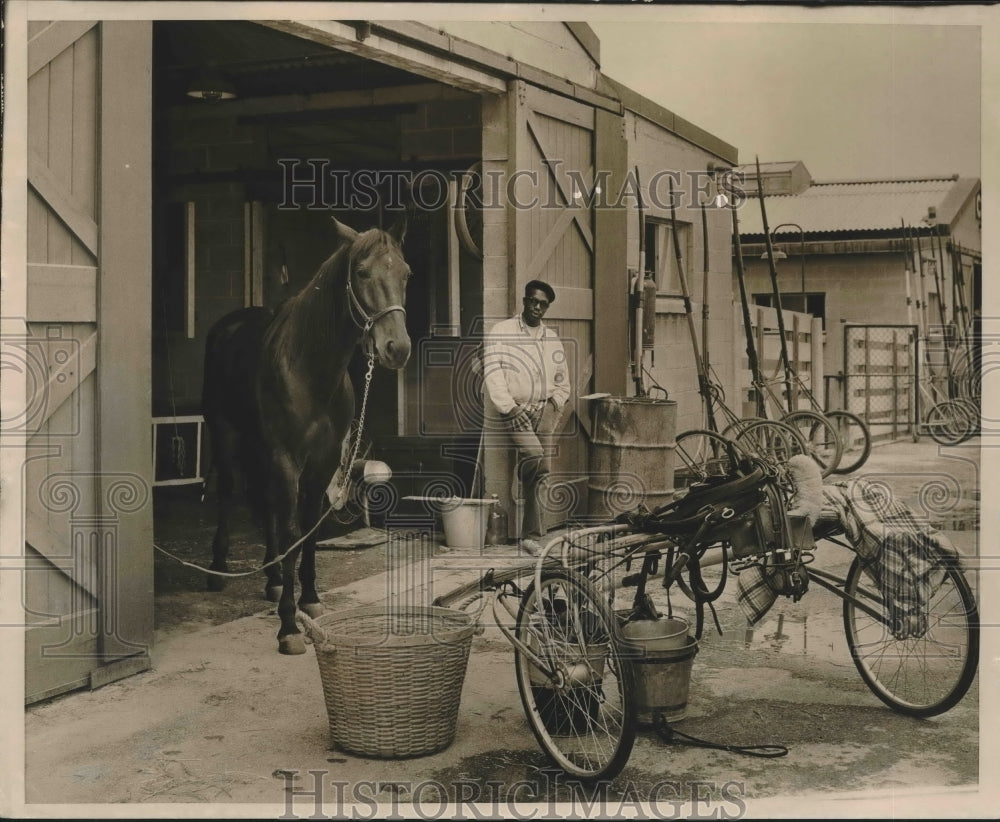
376 289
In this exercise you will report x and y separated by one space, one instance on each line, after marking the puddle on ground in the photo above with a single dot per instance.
961 524
819 636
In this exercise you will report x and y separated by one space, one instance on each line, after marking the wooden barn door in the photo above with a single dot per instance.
553 240
88 583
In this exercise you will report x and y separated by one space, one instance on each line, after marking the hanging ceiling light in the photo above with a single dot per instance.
212 85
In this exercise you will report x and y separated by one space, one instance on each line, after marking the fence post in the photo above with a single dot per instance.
817 369
797 359
895 382
868 374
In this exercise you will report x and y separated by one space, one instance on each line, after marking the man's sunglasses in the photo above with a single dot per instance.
534 302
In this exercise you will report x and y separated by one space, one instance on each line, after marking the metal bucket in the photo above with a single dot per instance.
663 668
465 522
631 454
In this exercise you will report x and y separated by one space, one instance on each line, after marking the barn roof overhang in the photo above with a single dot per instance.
437 55
447 58
837 243
342 64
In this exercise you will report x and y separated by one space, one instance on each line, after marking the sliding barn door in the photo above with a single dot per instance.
553 240
88 583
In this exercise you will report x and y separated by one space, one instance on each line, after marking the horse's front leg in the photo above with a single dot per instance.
272 589
283 495
310 510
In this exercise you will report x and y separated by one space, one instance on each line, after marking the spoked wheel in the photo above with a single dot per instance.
733 429
919 662
855 440
582 712
821 438
772 441
948 423
700 454
973 412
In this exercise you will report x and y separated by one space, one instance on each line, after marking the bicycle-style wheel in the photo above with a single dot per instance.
772 441
700 454
821 438
733 429
919 661
948 423
583 714
973 414
855 440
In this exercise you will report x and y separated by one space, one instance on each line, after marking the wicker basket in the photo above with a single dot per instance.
392 679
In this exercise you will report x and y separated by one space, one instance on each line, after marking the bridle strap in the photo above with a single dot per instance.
360 316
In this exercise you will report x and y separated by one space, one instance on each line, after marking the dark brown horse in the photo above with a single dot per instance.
278 399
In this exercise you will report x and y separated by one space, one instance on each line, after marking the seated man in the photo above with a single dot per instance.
526 385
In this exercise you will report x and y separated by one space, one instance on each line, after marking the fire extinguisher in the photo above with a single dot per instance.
648 312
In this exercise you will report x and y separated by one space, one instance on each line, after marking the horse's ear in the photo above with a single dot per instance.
344 232
398 229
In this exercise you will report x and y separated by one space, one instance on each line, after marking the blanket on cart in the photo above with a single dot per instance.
901 551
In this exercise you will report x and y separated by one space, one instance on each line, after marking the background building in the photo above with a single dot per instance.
873 259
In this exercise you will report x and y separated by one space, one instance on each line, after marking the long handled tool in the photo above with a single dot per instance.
637 355
752 361
704 313
777 294
939 282
907 271
703 386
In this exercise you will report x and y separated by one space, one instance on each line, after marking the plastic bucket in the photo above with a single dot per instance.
662 667
465 522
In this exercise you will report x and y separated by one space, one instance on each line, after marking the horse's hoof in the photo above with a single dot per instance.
216 584
273 592
292 644
313 609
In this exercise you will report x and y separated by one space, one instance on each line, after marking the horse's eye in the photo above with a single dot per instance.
363 273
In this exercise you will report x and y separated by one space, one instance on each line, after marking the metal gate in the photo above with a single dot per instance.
881 373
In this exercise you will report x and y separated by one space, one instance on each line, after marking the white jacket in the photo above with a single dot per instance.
519 369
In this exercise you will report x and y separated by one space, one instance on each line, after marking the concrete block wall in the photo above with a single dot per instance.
442 130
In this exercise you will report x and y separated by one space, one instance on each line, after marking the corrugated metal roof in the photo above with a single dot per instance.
849 206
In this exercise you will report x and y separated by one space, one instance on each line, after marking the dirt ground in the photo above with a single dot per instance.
223 725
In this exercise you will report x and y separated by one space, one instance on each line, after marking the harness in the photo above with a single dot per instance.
360 316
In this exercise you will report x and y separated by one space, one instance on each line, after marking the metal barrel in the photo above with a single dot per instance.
631 454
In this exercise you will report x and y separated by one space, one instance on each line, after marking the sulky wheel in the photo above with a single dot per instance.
700 454
581 706
855 440
919 662
821 438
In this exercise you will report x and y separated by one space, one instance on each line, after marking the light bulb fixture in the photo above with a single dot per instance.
719 173
211 86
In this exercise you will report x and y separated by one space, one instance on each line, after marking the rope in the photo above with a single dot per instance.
672 736
330 510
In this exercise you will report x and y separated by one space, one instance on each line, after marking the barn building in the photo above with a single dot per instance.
884 264
163 173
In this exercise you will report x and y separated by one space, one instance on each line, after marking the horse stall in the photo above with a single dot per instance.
248 137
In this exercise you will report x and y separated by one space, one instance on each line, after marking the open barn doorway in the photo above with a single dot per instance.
243 114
